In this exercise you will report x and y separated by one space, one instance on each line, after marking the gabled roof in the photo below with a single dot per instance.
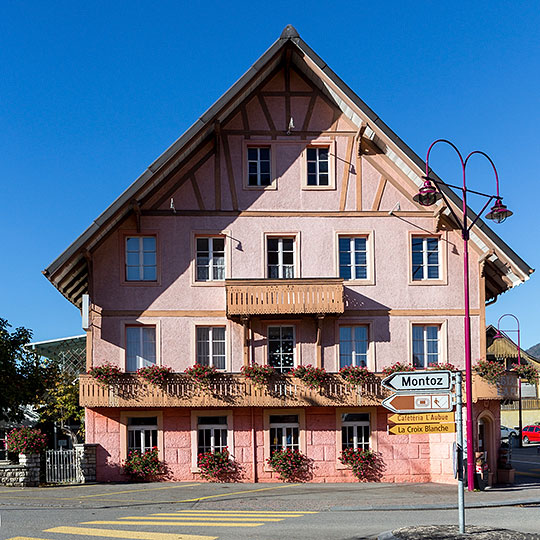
69 272
504 347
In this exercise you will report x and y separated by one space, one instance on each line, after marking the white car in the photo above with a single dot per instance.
508 433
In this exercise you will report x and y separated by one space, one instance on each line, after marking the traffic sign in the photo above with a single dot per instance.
418 381
412 403
412 429
423 418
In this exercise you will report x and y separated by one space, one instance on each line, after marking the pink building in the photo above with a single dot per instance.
279 229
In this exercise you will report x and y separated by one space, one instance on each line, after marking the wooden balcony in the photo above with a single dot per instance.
505 389
227 390
248 297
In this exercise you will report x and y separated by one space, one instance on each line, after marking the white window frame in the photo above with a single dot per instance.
442 339
210 266
211 343
318 144
280 265
213 428
370 257
141 361
352 251
124 415
355 424
373 442
195 415
425 253
285 426
294 351
250 143
141 266
353 352
258 161
143 429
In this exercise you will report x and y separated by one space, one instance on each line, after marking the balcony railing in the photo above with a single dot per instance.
246 297
227 390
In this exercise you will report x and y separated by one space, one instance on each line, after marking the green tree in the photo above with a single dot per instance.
24 376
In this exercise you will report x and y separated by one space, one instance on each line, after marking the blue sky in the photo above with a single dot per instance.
91 93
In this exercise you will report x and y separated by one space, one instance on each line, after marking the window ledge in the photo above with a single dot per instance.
215 283
428 282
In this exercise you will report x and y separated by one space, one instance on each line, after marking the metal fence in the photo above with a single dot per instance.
63 467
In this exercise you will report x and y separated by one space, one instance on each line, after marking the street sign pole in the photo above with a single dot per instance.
459 428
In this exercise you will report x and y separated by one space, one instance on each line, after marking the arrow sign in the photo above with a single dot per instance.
418 380
411 429
425 403
421 418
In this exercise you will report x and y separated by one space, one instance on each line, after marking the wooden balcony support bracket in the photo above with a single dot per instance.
320 319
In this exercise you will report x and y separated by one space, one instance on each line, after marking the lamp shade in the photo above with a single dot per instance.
498 212
427 194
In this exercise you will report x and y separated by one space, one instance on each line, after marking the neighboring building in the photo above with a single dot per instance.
504 350
270 232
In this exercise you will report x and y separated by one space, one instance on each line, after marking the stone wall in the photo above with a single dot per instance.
23 474
86 455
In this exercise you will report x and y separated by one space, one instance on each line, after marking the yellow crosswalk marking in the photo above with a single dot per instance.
247 512
199 517
185 523
25 538
136 535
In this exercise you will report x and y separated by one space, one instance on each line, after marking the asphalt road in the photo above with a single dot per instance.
198 511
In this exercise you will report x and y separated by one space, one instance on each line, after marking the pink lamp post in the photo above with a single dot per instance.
429 193
501 333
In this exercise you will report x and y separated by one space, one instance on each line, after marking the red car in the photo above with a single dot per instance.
531 434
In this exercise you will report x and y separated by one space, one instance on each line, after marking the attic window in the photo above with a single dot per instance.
141 258
258 162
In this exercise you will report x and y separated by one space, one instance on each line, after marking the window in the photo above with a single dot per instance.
318 171
211 346
281 347
353 346
355 431
210 259
141 258
211 434
425 258
425 345
259 166
280 257
284 432
353 261
140 347
142 433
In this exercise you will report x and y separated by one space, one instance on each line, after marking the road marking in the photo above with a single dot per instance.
535 475
25 538
174 523
199 517
530 462
247 512
137 535
135 491
236 493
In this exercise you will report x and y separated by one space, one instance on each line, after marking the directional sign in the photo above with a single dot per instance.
412 429
419 381
425 418
414 403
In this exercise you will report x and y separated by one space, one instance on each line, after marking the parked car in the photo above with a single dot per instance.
508 433
531 434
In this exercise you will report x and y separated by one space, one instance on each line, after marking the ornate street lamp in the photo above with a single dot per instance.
428 194
500 334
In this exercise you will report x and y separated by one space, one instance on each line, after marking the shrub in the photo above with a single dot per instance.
363 463
145 466
489 370
309 375
218 466
26 440
398 366
355 374
258 374
527 372
105 374
291 465
200 374
155 374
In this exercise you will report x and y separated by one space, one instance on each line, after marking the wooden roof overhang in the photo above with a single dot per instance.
70 272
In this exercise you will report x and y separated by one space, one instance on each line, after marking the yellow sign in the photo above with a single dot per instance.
413 429
423 418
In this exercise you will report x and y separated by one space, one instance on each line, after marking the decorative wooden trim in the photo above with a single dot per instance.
378 196
217 165
177 182
267 114
302 133
230 173
309 112
197 192
346 173
482 308
287 87
245 119
286 213
408 312
283 93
